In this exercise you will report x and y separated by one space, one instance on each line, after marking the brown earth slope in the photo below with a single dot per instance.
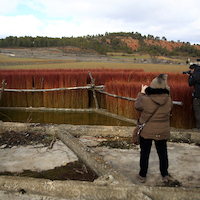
170 45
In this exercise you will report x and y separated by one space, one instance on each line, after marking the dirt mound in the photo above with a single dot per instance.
132 43
9 139
170 45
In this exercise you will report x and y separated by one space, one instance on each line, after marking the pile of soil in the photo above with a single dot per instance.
8 139
118 143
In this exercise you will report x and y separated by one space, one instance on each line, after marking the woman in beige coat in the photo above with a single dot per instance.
154 101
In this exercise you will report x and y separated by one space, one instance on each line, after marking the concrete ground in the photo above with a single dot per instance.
35 158
184 162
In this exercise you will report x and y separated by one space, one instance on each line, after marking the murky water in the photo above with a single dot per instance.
72 171
53 117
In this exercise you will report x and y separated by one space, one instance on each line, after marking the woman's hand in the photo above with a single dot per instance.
143 88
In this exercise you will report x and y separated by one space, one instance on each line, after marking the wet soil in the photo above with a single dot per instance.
118 143
172 182
72 171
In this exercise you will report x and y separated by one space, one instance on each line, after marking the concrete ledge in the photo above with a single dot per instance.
177 135
64 189
185 135
85 190
167 193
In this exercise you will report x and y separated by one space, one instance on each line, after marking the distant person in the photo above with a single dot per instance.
194 80
155 104
188 61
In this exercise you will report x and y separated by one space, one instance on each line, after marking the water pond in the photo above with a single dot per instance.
55 117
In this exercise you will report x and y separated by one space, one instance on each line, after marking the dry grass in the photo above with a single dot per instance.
29 63
14 59
97 65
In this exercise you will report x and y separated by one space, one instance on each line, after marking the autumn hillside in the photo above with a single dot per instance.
110 42
170 45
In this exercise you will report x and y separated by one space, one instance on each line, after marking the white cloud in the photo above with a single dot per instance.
20 26
176 20
60 28
8 7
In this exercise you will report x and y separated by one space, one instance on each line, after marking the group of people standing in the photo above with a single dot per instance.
155 104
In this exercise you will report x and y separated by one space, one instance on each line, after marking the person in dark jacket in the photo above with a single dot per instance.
150 99
194 80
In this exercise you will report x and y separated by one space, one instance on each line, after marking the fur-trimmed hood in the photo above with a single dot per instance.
159 96
150 91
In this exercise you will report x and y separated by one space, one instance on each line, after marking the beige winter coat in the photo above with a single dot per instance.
158 127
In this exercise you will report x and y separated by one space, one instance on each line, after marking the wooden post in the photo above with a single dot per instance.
2 89
93 90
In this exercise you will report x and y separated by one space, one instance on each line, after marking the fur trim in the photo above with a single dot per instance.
150 90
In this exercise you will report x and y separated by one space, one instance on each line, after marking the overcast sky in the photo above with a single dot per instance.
174 19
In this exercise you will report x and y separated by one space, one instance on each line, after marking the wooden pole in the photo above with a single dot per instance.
53 89
100 88
93 90
2 89
179 103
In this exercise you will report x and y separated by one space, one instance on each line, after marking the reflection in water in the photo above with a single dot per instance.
60 118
